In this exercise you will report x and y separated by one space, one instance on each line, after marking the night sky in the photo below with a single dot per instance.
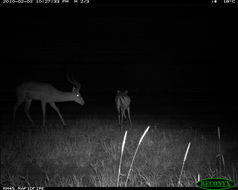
172 58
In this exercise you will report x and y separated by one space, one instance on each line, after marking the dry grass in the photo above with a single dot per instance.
89 152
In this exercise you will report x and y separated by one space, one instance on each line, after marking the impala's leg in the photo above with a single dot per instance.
129 114
122 115
119 118
118 114
58 111
27 107
19 102
43 111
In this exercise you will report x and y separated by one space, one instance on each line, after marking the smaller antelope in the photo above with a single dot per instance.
123 103
46 93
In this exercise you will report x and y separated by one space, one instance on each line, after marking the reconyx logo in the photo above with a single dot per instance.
215 183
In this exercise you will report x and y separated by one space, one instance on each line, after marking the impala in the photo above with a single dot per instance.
123 104
46 93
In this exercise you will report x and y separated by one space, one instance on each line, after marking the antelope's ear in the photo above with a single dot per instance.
73 88
118 91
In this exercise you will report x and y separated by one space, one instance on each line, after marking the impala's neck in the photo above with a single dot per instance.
64 97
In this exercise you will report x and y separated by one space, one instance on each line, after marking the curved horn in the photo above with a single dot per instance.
73 81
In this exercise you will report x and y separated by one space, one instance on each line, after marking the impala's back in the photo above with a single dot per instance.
36 91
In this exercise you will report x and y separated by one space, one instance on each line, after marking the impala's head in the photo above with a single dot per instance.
77 96
76 90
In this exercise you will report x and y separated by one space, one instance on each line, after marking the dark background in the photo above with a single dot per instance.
174 59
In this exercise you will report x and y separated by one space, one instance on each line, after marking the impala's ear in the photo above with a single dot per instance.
73 88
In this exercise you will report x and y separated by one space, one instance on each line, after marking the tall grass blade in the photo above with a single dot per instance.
122 149
220 153
135 154
219 135
185 156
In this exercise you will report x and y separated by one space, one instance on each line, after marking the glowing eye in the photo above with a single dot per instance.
77 95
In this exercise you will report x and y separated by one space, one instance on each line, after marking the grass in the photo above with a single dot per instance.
88 153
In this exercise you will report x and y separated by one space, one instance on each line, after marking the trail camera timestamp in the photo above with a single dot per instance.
44 1
17 1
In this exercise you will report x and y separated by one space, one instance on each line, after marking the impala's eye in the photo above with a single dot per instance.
77 94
